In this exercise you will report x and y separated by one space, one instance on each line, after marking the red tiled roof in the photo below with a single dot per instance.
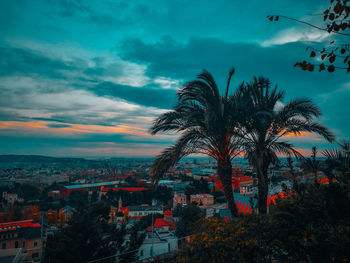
13 225
124 209
276 196
129 189
168 212
160 222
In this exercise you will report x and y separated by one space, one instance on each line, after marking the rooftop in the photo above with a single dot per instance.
92 185
145 208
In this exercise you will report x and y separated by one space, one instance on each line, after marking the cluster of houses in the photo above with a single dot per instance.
22 238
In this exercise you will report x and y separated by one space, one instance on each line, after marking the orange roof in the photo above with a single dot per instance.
160 222
273 198
124 209
129 189
168 212
17 224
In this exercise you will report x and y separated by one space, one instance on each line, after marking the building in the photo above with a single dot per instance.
11 198
68 189
13 255
127 189
179 198
55 194
144 210
67 211
24 234
246 189
202 199
242 181
163 224
158 243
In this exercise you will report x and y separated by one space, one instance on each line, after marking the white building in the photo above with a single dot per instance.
159 243
144 210
11 198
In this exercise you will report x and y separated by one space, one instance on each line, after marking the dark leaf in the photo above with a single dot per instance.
331 68
322 67
311 67
336 27
313 54
344 26
342 50
332 59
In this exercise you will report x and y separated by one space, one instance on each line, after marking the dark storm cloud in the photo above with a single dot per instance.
152 95
171 59
18 61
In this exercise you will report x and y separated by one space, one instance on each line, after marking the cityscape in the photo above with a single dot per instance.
174 131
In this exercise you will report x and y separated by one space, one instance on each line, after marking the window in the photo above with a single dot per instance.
35 243
24 244
3 245
141 253
16 244
35 255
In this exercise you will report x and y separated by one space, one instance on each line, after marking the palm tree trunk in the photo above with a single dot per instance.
225 175
263 186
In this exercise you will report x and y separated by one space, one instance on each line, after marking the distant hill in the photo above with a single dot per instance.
9 158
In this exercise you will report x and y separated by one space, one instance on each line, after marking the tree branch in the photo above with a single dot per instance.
311 25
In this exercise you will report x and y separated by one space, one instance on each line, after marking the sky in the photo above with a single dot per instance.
86 78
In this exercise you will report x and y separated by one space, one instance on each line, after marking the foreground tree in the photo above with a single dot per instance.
310 226
266 121
338 162
89 237
189 217
311 165
206 121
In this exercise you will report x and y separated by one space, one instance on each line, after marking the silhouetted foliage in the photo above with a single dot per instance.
310 226
336 21
265 124
188 215
78 199
88 236
205 121
197 187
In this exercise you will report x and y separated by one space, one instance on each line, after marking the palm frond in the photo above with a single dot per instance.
232 71
299 108
297 126
189 143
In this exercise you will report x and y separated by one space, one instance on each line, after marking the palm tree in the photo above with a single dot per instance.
338 161
205 121
311 165
266 121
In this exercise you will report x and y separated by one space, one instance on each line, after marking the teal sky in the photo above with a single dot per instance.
86 78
